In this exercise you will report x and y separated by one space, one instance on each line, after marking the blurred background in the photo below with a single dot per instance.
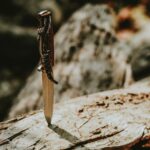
19 53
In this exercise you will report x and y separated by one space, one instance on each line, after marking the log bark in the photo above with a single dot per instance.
117 119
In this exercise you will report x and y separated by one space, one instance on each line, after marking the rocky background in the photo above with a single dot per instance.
114 38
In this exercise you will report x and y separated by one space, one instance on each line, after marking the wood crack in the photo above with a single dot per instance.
92 140
6 141
66 135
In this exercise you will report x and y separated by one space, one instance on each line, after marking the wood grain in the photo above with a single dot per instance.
117 119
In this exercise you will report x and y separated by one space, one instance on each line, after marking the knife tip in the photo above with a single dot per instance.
48 120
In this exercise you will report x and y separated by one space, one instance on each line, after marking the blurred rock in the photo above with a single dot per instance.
88 53
140 58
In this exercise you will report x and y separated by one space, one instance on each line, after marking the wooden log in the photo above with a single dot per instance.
117 119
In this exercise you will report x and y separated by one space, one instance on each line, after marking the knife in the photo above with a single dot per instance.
46 48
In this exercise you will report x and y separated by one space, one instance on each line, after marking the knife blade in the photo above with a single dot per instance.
46 47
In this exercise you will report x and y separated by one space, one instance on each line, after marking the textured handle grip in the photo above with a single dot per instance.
46 43
46 33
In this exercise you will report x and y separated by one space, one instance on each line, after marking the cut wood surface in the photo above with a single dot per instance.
117 119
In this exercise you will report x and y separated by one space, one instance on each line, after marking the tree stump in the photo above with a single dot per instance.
117 119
